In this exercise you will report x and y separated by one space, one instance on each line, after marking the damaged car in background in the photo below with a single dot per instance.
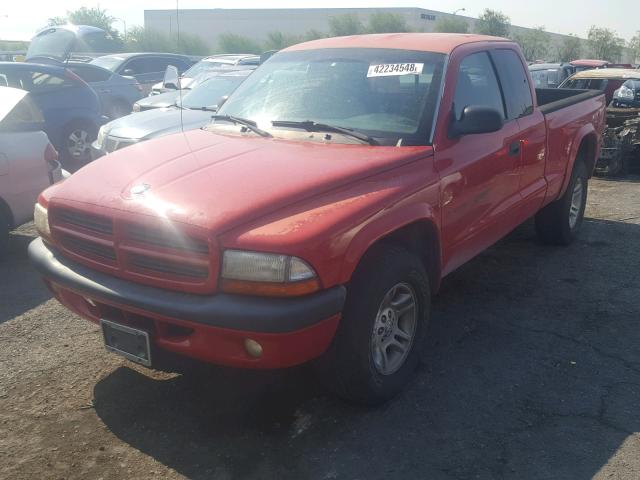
620 153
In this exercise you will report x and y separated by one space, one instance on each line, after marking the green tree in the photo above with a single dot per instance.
534 43
493 22
634 46
380 22
93 16
232 43
348 24
140 39
570 48
313 35
452 24
279 40
604 44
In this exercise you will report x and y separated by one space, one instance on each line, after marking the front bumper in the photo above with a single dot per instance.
208 328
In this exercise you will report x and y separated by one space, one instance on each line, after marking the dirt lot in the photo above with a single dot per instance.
533 372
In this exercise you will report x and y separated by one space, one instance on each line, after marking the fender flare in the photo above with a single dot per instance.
583 133
382 225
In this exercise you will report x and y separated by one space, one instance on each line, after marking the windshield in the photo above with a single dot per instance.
53 43
209 93
110 62
388 94
545 78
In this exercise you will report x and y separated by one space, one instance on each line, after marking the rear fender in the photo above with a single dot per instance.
581 135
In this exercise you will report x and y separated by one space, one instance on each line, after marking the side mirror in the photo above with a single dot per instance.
128 72
477 119
171 78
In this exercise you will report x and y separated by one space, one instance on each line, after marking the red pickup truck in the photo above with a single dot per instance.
317 214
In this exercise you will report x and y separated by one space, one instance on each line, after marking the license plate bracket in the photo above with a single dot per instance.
129 342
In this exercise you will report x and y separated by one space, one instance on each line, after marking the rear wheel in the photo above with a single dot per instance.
76 144
559 222
378 343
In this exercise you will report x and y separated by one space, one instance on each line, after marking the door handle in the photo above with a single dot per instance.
514 149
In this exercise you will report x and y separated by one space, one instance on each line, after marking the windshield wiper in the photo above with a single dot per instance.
249 124
311 126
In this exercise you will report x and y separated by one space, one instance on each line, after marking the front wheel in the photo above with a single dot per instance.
559 222
378 343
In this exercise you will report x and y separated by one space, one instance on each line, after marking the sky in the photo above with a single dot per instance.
20 19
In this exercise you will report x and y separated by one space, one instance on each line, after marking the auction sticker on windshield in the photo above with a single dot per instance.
391 69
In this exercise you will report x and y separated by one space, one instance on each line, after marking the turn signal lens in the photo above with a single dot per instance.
264 289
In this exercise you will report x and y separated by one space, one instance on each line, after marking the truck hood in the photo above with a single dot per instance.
157 122
219 182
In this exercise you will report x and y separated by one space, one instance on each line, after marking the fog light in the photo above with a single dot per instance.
253 348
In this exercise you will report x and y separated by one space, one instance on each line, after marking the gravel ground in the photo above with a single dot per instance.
533 372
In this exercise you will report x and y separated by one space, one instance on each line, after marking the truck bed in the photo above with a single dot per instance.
552 99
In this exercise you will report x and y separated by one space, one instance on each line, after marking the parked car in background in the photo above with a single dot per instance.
71 108
117 93
210 64
28 161
607 80
620 65
550 75
172 96
581 65
628 95
194 112
146 68
62 42
316 216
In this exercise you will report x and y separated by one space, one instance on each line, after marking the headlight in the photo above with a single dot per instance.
101 134
625 93
41 221
254 273
136 107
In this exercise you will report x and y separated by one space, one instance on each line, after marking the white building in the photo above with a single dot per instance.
256 24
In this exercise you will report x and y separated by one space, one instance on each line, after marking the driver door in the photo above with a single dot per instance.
480 172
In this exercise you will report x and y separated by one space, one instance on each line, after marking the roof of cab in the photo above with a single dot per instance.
428 42
608 73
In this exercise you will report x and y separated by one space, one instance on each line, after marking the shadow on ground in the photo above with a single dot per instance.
15 274
532 372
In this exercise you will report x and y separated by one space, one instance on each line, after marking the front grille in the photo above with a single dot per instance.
148 251
166 238
166 266
93 223
87 247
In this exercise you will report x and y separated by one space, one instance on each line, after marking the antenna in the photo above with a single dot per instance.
179 82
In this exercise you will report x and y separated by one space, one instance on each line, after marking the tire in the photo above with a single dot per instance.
350 368
75 143
559 222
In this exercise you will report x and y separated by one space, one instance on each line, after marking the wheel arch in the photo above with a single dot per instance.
418 234
585 147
